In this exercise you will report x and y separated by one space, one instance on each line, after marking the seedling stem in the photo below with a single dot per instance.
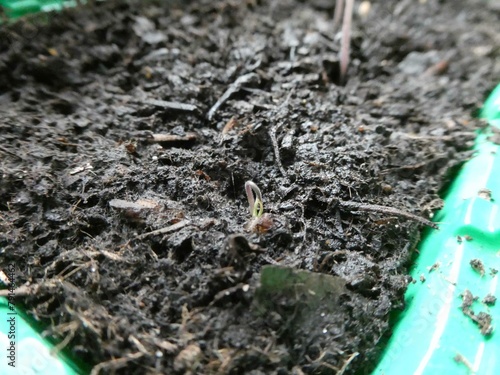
346 39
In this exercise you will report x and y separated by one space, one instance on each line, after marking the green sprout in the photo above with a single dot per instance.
255 203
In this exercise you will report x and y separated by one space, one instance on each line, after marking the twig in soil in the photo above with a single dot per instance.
163 138
224 294
10 153
329 366
176 106
404 168
272 134
255 204
346 363
83 320
387 210
445 138
345 42
23 290
73 271
274 141
115 364
170 228
234 87
72 327
137 344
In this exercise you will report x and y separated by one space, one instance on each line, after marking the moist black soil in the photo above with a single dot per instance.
124 118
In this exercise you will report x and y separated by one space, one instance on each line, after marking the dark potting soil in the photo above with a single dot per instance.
122 118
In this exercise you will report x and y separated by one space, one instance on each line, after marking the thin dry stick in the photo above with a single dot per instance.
459 358
274 141
173 138
345 42
171 228
138 344
387 210
170 105
72 327
115 364
338 13
272 134
234 87
344 367
23 290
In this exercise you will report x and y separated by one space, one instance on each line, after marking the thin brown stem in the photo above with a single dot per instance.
339 6
354 206
345 42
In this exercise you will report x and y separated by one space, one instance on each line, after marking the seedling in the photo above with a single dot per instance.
255 203
261 222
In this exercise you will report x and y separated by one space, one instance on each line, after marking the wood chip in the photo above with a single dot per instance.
188 137
140 204
170 105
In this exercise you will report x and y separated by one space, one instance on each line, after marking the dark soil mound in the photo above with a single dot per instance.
123 118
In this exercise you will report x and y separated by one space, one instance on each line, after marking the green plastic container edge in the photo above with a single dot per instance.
27 351
438 333
14 9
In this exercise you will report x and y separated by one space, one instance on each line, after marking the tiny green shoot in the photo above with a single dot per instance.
255 203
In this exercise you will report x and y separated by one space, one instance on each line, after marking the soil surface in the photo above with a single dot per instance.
124 118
